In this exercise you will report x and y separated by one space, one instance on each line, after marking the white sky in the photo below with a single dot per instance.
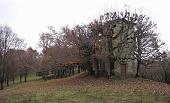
28 18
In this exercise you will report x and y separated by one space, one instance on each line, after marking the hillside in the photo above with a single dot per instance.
86 89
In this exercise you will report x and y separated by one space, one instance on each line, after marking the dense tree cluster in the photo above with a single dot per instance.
13 57
115 36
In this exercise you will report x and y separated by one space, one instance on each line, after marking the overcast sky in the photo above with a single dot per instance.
28 18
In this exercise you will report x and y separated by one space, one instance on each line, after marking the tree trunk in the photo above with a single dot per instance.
73 70
2 80
95 66
166 76
7 81
108 58
44 75
78 68
13 78
2 87
137 69
108 67
20 78
89 68
112 67
26 77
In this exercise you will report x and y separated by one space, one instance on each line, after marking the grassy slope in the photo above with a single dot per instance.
80 89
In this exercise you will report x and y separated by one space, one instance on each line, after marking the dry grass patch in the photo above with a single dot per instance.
85 89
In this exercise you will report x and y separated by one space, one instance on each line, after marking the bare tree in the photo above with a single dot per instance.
80 37
147 43
115 36
8 40
46 40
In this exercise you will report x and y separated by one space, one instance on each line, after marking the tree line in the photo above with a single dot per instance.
99 38
13 58
114 36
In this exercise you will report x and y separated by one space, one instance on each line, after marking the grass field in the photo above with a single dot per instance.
85 89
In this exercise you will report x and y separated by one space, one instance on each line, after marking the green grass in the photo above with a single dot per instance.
40 91
87 95
30 77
